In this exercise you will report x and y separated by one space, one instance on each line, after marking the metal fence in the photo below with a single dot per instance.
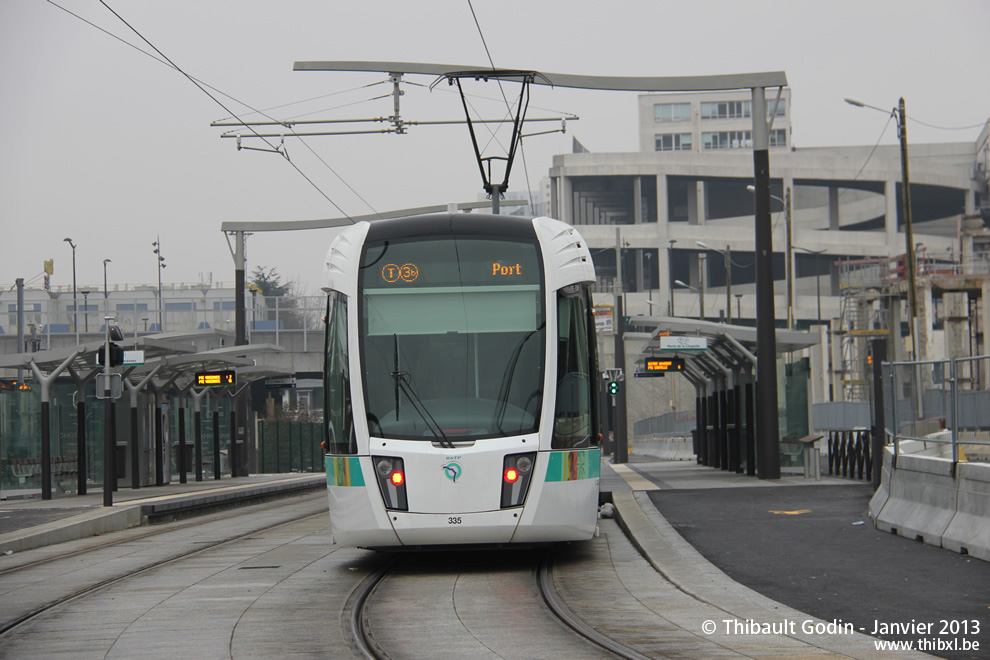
942 403
288 446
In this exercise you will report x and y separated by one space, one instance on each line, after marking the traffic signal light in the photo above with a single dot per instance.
613 387
116 355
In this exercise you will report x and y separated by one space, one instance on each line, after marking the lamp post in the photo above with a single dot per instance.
161 264
727 254
85 294
788 252
75 305
670 272
898 114
818 276
701 311
106 292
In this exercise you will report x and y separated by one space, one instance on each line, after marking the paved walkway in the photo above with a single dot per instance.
811 546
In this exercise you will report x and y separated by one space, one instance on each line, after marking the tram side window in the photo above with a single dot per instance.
338 420
575 418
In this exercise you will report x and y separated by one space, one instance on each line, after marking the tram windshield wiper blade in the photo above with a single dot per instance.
502 403
402 381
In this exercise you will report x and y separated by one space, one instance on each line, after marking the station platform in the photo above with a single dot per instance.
792 547
27 523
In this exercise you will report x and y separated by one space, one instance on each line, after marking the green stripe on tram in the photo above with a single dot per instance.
574 465
344 471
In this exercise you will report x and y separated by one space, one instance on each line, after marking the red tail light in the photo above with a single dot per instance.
517 472
391 481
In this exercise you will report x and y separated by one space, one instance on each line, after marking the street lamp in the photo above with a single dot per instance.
670 272
898 114
85 294
75 305
106 292
788 252
818 276
161 264
727 253
701 312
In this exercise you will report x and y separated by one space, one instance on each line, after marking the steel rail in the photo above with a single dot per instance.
557 605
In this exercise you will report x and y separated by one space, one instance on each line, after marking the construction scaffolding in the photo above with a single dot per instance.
868 288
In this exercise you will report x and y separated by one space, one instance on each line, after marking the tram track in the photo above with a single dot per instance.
9 626
356 618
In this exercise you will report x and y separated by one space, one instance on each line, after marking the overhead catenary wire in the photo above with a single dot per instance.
222 105
161 58
508 106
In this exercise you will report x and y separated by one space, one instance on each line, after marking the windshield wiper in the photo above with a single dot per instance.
402 381
498 415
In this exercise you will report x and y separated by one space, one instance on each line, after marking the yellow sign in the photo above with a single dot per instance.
669 364
214 378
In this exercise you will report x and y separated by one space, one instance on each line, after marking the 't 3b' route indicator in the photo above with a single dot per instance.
392 273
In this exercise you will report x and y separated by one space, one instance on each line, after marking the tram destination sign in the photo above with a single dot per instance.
216 378
682 343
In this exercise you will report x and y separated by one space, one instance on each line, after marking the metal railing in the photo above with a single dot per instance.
48 319
945 403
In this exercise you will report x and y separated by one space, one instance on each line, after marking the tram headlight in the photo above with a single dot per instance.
517 472
391 482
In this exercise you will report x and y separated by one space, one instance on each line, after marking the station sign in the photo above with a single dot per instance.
603 319
683 343
664 364
216 378
657 367
133 358
282 383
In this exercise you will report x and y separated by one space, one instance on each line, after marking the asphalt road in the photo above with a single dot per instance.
815 549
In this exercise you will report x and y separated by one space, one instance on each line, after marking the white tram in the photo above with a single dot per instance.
461 388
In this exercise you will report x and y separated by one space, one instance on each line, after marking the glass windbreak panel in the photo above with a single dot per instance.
452 338
338 420
575 421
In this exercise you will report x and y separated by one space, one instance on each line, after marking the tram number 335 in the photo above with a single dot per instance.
454 520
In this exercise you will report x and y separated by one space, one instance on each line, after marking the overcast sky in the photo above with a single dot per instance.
100 143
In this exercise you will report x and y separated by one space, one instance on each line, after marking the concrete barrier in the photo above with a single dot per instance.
882 493
969 531
665 448
922 499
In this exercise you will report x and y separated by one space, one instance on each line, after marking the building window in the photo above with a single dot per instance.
726 109
778 137
726 140
671 112
673 142
780 108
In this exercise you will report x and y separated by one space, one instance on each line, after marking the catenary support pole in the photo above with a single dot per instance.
767 426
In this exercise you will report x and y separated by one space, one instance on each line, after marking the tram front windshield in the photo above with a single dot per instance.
452 338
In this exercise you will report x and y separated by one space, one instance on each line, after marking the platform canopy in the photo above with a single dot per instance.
606 83
728 347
